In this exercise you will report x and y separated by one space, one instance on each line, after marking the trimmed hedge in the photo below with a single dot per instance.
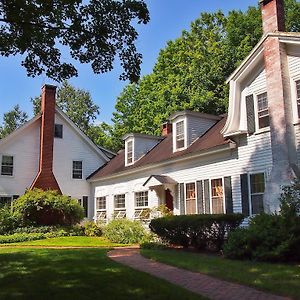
200 231
21 237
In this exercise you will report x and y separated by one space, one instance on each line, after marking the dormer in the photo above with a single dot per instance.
188 126
137 145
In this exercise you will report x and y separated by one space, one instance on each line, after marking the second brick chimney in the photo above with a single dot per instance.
166 128
284 155
45 178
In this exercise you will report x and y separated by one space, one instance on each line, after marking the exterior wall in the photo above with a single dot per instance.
252 156
142 146
25 148
73 147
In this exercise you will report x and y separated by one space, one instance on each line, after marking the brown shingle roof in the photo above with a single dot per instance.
164 151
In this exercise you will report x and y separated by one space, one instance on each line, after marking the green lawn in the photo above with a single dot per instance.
76 274
70 241
279 279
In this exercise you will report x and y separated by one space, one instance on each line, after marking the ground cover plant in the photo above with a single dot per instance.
77 274
281 279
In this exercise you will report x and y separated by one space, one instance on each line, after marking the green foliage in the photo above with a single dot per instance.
124 231
93 229
38 207
8 221
21 237
290 200
12 120
200 231
153 245
94 32
75 230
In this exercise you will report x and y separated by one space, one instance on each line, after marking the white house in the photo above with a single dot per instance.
218 164
49 151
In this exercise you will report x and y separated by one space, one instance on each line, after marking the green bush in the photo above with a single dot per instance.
8 221
153 246
270 237
91 228
200 231
21 237
38 207
124 231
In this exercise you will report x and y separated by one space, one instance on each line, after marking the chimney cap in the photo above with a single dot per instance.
49 87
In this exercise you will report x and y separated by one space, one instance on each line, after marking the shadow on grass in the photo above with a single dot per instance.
76 274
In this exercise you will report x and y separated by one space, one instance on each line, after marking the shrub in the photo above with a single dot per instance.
200 231
75 230
91 228
124 231
8 221
21 237
38 207
153 246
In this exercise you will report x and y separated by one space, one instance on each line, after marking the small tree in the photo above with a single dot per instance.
38 207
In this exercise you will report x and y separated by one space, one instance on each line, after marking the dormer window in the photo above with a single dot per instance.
262 110
129 153
298 96
180 135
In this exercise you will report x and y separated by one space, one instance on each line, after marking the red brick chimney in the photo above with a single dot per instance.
166 128
45 178
284 154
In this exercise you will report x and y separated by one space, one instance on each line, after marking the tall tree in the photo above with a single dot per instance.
12 120
190 72
94 32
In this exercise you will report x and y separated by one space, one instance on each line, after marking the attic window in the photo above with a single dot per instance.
298 96
58 131
129 152
179 134
262 110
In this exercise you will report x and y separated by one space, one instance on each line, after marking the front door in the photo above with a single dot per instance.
169 200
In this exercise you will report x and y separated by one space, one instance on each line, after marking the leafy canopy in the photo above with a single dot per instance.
93 32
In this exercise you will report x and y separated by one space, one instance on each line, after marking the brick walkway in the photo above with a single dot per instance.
196 282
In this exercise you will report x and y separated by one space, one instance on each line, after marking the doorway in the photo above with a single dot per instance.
169 200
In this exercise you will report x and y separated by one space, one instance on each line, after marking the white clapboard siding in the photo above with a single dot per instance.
258 84
143 145
294 65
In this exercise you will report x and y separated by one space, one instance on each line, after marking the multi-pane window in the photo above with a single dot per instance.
101 203
5 200
141 199
7 165
298 96
190 198
262 110
217 196
129 152
257 184
77 169
119 201
58 131
179 134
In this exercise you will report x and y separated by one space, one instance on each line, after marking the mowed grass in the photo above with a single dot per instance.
77 274
279 279
70 241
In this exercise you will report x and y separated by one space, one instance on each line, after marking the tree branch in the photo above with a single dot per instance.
33 24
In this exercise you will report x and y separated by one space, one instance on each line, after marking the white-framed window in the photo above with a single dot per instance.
119 201
257 189
297 82
190 198
77 169
7 165
263 110
217 196
58 131
101 208
141 199
179 127
129 152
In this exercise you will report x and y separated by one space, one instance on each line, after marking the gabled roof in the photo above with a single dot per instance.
163 153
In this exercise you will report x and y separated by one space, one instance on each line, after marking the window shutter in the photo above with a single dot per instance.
200 197
85 205
206 196
245 194
228 195
250 114
181 198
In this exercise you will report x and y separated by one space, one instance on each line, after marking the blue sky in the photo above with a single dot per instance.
168 19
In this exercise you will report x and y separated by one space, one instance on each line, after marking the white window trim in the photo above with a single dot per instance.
196 193
126 152
210 194
249 188
296 118
82 173
140 207
13 174
255 98
174 125
120 208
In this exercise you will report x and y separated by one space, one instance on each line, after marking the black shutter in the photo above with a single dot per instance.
206 196
181 199
200 197
250 114
245 194
85 205
228 195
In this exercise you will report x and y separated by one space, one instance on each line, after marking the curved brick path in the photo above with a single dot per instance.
196 282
